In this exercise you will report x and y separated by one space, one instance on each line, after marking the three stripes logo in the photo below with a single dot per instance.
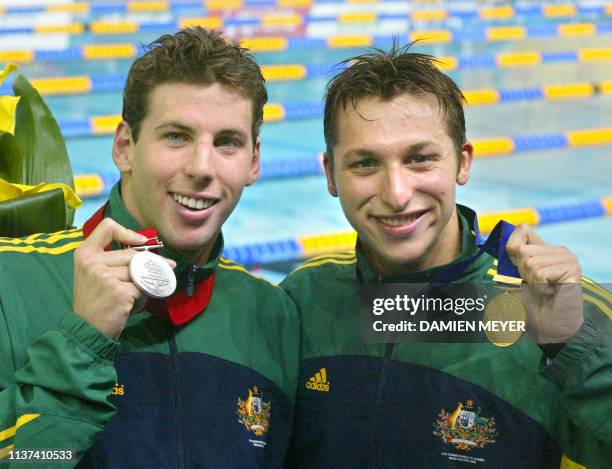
318 382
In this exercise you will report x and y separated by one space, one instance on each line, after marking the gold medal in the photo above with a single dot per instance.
505 318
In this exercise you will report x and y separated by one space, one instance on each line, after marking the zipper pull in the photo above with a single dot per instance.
191 279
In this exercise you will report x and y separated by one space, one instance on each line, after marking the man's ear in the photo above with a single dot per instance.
123 147
328 165
255 169
465 163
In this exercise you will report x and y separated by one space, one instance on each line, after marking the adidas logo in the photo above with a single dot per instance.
318 382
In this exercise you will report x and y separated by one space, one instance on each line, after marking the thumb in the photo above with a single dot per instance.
522 235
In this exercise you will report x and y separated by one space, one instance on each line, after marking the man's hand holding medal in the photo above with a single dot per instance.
109 285
552 295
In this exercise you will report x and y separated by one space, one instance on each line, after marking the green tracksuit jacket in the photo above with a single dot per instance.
430 405
217 391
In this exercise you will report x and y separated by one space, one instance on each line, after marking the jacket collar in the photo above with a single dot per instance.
467 217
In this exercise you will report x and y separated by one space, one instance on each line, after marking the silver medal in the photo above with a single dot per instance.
152 275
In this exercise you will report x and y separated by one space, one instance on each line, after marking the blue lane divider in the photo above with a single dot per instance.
520 94
291 167
540 142
72 128
107 83
542 30
70 53
306 43
604 28
478 61
529 9
564 56
586 209
264 253
307 110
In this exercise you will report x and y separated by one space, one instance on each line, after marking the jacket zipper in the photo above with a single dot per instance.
178 408
191 279
376 449
376 434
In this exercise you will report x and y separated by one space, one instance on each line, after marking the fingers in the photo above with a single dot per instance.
121 258
122 273
548 264
116 258
561 273
539 262
139 304
532 260
522 235
108 231
110 278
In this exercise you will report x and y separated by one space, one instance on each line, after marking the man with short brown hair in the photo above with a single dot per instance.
99 359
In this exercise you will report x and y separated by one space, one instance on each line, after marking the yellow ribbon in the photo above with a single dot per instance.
8 104
10 191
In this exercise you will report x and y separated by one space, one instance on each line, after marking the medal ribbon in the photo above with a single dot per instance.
180 308
495 245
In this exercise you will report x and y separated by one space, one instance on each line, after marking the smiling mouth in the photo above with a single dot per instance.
400 220
193 203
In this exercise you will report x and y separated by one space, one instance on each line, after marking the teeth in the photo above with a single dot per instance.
191 202
398 221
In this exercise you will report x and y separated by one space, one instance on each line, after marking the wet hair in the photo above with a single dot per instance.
386 75
193 56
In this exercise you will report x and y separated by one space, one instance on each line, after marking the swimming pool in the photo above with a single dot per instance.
285 208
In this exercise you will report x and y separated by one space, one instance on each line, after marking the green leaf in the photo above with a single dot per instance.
11 159
43 212
40 140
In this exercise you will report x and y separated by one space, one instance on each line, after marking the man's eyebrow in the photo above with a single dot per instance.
361 153
174 125
186 128
416 148
233 132
419 147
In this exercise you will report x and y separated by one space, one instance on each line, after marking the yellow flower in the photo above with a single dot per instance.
12 191
8 104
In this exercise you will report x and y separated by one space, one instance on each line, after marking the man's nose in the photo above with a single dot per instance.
396 188
200 162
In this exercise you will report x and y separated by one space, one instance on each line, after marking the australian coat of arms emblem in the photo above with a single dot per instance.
465 428
254 412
